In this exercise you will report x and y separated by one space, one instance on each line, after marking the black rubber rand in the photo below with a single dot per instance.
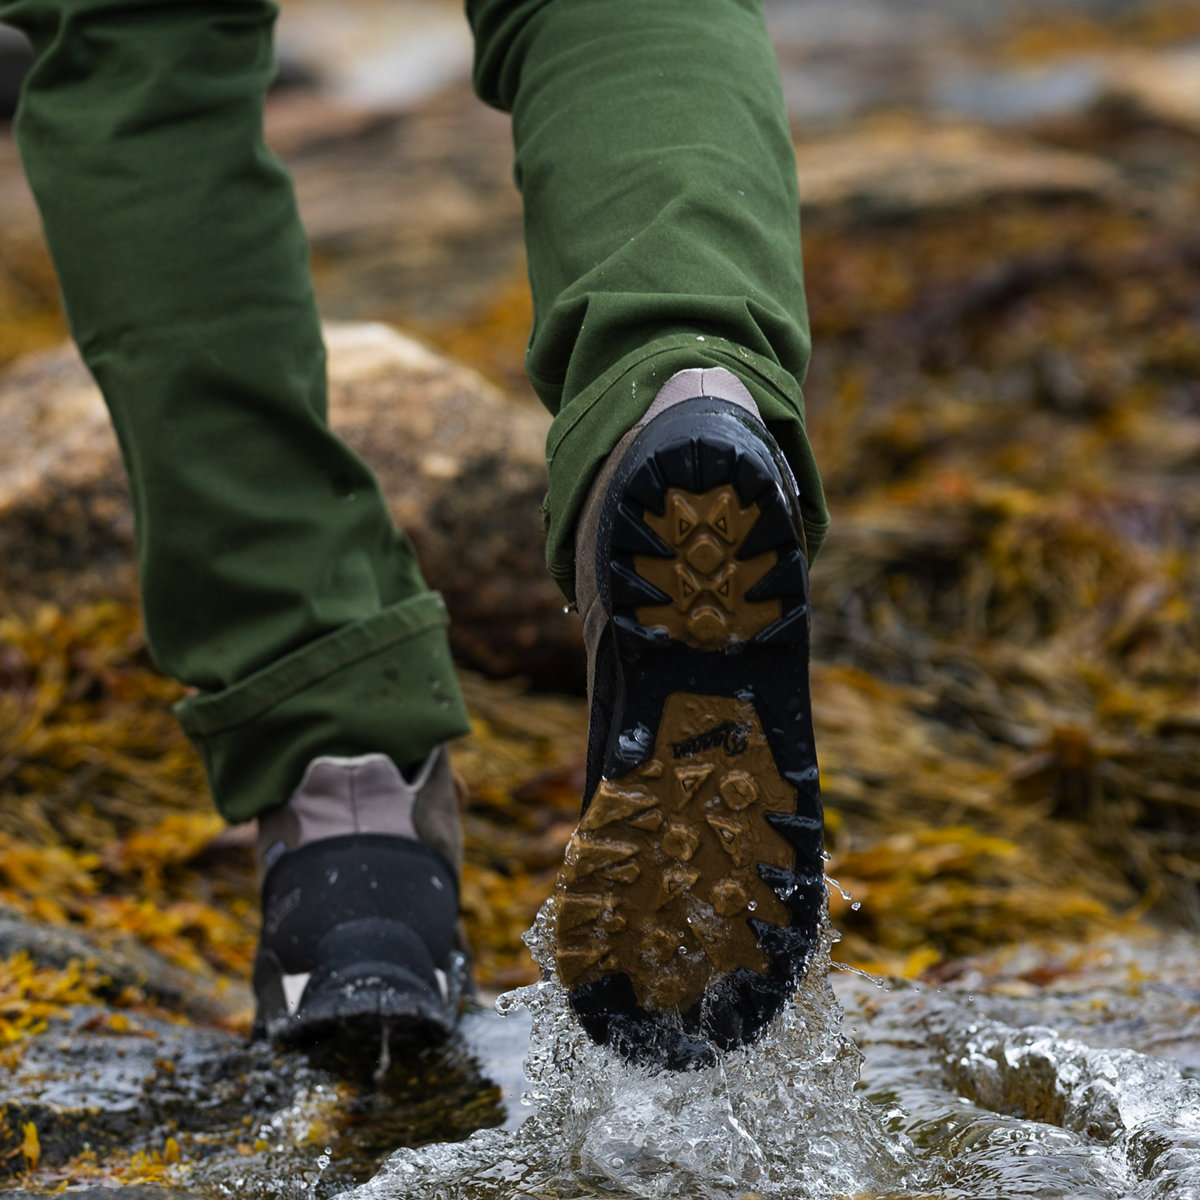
697 449
359 933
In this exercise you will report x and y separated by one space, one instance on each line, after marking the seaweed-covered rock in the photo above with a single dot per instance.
878 174
137 1191
1161 89
171 1109
126 964
105 1079
462 467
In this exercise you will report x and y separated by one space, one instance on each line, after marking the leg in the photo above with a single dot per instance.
655 160
273 580
662 221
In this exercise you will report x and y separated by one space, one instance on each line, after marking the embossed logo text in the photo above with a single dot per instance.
731 736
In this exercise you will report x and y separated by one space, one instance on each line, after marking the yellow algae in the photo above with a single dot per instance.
31 1147
31 995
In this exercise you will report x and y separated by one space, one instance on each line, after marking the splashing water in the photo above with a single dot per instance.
776 1119
1130 1121
1011 1107
968 1097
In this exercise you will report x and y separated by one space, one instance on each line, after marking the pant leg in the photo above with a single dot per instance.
662 220
273 580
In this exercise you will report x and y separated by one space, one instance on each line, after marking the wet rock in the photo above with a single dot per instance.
1159 88
91 1080
121 1083
127 964
244 1119
412 215
134 1192
462 467
893 171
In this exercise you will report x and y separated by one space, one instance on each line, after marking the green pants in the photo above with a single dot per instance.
663 232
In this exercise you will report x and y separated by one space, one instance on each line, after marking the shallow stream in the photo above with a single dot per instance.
1028 1072
1080 1079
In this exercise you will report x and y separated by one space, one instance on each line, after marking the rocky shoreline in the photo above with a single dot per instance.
1005 399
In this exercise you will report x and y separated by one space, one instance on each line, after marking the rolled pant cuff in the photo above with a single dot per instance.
590 425
384 684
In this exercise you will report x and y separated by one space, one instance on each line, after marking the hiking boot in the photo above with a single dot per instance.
360 906
690 896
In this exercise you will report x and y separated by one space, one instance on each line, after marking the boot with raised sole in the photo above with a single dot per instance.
690 897
360 898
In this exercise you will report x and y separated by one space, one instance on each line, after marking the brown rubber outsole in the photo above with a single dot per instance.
688 900
664 861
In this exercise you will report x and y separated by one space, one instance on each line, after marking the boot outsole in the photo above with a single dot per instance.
690 896
356 1008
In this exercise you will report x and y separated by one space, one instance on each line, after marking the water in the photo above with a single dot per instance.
1030 1073
782 1118
1025 1111
944 1093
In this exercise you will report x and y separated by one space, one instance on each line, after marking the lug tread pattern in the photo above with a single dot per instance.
691 893
662 874
707 584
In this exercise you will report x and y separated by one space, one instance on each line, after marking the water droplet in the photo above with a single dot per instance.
829 879
635 744
856 905
752 905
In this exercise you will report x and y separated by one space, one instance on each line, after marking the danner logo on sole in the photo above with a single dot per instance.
729 736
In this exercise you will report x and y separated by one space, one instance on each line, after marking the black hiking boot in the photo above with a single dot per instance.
690 898
360 940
